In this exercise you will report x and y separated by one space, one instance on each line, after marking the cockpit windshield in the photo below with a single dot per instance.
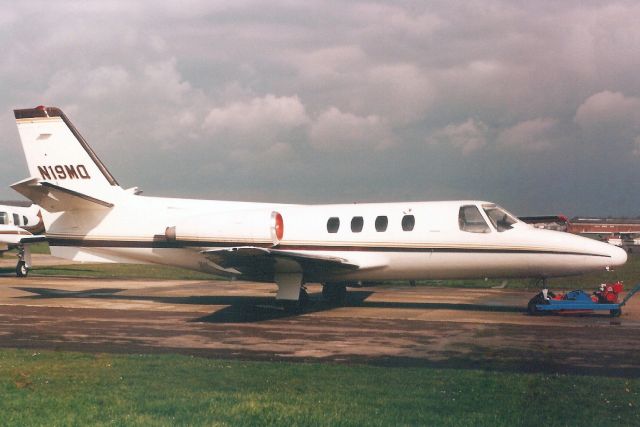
501 219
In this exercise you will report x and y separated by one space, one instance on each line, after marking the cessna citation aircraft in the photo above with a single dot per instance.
89 217
17 225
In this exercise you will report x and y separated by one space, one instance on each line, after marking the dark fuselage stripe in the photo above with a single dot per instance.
163 244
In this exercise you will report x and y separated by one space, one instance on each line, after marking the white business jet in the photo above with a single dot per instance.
89 217
17 227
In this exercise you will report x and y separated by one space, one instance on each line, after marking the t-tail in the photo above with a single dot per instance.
65 172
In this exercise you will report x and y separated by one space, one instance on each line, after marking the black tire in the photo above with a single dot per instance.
292 307
334 293
532 309
616 312
303 300
21 269
296 306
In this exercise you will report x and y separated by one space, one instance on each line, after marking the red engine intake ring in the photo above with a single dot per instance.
277 227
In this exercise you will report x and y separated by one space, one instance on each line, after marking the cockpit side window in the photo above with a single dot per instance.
501 219
4 218
470 219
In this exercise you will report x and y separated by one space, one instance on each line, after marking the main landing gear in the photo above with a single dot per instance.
296 306
334 293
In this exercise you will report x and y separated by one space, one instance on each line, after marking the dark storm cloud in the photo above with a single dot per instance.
534 105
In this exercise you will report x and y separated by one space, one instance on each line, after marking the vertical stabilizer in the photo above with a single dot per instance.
57 153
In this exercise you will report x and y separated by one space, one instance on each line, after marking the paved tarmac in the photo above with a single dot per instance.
404 326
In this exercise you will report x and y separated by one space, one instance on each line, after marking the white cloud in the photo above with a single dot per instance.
401 92
610 122
608 108
329 63
530 135
337 131
468 136
257 120
98 83
381 19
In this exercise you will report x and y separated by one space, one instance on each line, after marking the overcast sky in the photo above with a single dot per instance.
534 105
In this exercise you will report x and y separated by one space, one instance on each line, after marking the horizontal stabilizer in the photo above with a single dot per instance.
55 198
267 261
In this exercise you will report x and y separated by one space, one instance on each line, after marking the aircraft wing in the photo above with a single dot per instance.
56 198
34 239
252 260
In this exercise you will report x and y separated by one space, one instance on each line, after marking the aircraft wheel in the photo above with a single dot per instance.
335 294
21 269
304 297
296 306
531 307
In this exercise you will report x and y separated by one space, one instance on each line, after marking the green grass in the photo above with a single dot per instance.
40 248
61 388
116 271
123 271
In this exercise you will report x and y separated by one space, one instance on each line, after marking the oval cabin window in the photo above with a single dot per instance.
408 222
357 222
333 224
381 223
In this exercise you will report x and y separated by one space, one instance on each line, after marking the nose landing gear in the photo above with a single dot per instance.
24 261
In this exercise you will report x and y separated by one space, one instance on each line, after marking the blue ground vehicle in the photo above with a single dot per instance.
578 301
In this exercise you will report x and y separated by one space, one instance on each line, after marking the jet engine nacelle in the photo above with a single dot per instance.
239 227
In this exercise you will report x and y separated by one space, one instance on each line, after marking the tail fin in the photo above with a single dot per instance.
57 153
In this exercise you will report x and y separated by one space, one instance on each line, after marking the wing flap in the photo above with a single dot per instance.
267 261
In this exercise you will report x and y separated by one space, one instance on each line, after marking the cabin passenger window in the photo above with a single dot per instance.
470 219
356 224
408 222
501 219
381 223
4 218
333 224
16 219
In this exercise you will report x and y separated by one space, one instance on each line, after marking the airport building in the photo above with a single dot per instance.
617 231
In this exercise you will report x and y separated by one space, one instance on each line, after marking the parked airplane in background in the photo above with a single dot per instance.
17 227
89 217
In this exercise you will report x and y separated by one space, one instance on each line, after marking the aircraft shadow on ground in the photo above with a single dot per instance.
246 309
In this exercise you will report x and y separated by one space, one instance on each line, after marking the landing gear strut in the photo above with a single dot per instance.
335 293
540 298
22 269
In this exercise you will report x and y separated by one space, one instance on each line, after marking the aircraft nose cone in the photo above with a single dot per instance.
618 256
